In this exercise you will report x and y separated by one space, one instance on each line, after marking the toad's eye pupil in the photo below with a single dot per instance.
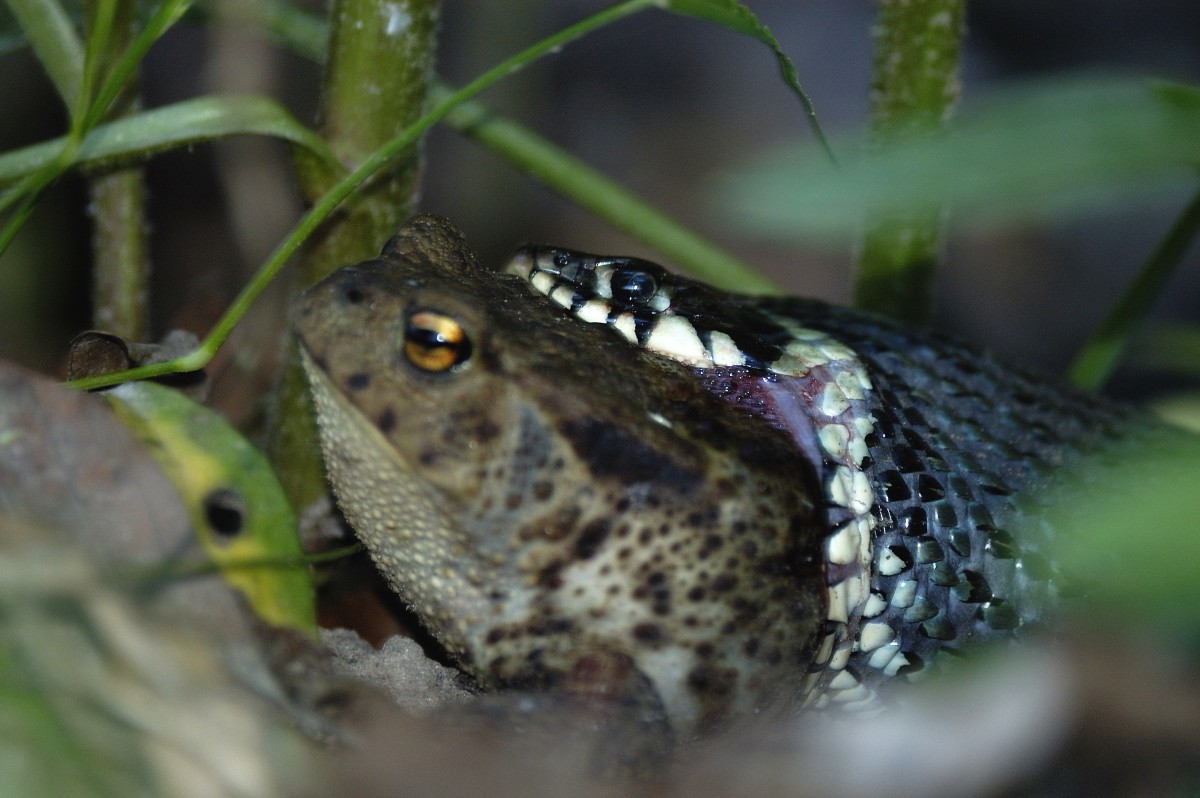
435 342
632 286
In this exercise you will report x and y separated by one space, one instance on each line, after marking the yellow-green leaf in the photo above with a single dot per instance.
238 509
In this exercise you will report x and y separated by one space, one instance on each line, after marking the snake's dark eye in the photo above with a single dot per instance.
632 286
434 341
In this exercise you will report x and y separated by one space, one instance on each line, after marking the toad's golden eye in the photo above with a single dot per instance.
435 342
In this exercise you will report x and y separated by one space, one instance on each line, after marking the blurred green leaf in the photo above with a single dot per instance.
1174 348
1035 151
1135 537
136 138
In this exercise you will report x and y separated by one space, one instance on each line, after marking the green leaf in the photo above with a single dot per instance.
1172 348
1036 151
49 30
1100 355
736 17
237 507
1133 536
138 137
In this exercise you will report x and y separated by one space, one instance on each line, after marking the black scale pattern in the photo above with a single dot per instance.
965 450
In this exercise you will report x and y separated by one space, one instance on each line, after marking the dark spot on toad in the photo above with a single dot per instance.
358 380
707 680
724 583
648 633
711 544
591 538
387 420
486 431
615 453
551 576
552 626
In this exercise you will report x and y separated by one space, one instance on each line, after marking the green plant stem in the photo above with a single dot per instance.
914 88
377 74
590 189
120 262
1100 355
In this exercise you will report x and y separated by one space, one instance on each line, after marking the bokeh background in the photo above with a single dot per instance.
662 104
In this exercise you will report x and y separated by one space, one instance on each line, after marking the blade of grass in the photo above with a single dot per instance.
590 189
1099 356
53 38
737 17
141 136
163 18
95 61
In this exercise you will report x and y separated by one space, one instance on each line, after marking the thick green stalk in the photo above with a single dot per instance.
914 88
377 75
121 262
